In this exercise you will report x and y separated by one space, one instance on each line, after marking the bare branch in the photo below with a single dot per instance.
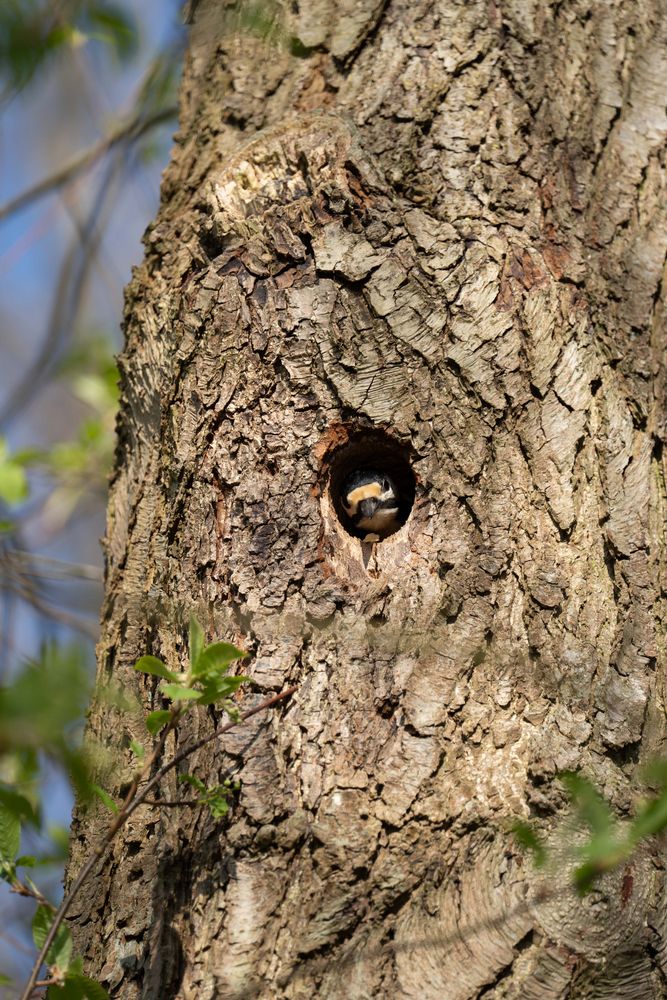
30 596
129 131
57 569
73 273
172 803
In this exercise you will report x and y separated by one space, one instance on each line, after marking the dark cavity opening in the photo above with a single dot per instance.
370 451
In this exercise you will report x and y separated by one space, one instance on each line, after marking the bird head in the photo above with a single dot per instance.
371 501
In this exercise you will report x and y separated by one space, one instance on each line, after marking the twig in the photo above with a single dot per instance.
30 596
173 803
57 569
42 984
66 299
129 131
132 801
23 890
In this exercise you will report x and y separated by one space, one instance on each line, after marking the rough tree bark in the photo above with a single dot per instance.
445 222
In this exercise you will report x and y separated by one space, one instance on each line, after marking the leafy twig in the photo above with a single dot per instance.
132 801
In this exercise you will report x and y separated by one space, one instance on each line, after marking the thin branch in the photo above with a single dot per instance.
126 134
133 800
65 301
7 641
173 803
30 596
128 131
57 569
42 984
23 890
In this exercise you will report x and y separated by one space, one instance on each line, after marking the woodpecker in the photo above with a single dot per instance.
372 503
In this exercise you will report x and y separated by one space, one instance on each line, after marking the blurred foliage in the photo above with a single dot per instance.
32 32
39 715
46 47
13 479
42 709
610 840
76 466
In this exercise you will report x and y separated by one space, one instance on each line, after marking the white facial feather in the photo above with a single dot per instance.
380 520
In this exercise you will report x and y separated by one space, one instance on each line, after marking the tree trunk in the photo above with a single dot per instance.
430 235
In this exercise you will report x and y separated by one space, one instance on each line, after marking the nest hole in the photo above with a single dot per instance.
371 451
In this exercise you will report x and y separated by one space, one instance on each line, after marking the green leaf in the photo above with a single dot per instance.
651 819
60 839
232 711
655 772
216 658
19 805
584 876
13 483
95 391
137 749
156 720
589 804
28 36
116 28
587 873
91 990
26 861
151 665
530 841
191 779
218 806
79 763
5 980
221 687
28 456
7 872
60 951
179 693
10 834
40 925
13 479
196 641
105 798
217 800
78 987
43 706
